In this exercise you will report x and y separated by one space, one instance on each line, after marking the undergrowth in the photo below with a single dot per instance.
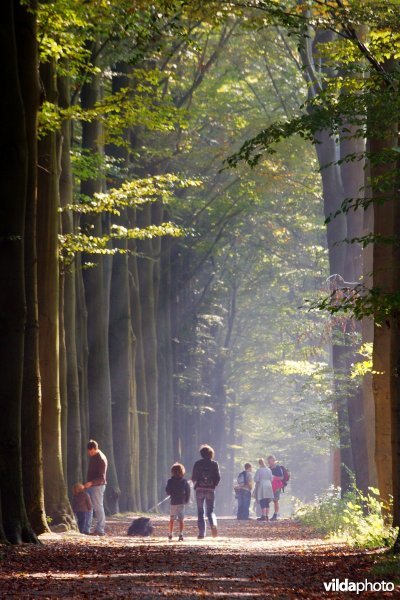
356 518
388 567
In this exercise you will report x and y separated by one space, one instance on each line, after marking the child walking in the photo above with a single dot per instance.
82 507
179 491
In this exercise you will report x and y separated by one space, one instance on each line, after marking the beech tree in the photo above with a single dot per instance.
15 169
31 439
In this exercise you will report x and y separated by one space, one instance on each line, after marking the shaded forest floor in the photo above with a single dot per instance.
248 560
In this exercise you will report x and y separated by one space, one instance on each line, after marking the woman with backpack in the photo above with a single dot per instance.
205 478
263 490
280 477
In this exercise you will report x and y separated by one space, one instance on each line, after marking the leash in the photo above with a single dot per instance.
157 505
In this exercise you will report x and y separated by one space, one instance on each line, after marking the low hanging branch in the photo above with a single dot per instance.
359 302
72 243
132 194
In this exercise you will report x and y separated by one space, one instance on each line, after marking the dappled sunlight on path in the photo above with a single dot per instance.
248 560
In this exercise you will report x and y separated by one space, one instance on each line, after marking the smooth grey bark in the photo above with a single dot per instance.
146 265
82 354
328 150
165 361
140 378
122 342
353 179
97 285
56 500
121 372
68 287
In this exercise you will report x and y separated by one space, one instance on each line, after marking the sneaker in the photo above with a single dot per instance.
170 537
180 538
200 537
214 530
97 533
262 518
274 517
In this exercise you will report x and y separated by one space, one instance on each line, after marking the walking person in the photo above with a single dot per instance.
243 491
205 478
263 490
277 483
179 491
96 485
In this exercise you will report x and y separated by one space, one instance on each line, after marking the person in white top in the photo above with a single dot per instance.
263 490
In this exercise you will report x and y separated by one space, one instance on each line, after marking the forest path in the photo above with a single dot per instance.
248 560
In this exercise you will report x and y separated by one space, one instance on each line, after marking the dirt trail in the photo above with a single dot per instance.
248 560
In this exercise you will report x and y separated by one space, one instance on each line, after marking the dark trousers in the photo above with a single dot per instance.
208 497
244 497
83 518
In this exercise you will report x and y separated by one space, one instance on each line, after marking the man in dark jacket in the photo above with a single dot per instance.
205 478
96 484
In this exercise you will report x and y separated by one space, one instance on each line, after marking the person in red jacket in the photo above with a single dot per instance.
277 483
96 485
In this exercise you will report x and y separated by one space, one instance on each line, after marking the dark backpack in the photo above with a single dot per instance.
205 477
242 478
141 527
286 476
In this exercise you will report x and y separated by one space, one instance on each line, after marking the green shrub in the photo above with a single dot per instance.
357 518
387 568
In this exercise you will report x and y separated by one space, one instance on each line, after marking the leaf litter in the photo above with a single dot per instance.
248 560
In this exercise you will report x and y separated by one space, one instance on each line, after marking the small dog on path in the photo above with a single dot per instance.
141 527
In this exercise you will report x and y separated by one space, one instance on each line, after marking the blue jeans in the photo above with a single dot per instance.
207 496
244 498
83 518
96 493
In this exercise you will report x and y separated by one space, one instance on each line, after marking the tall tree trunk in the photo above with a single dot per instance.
368 338
122 373
140 378
160 307
190 421
328 153
56 500
220 417
353 174
386 335
14 178
96 282
68 275
122 344
63 374
327 150
384 182
32 459
176 302
148 302
165 365
82 356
